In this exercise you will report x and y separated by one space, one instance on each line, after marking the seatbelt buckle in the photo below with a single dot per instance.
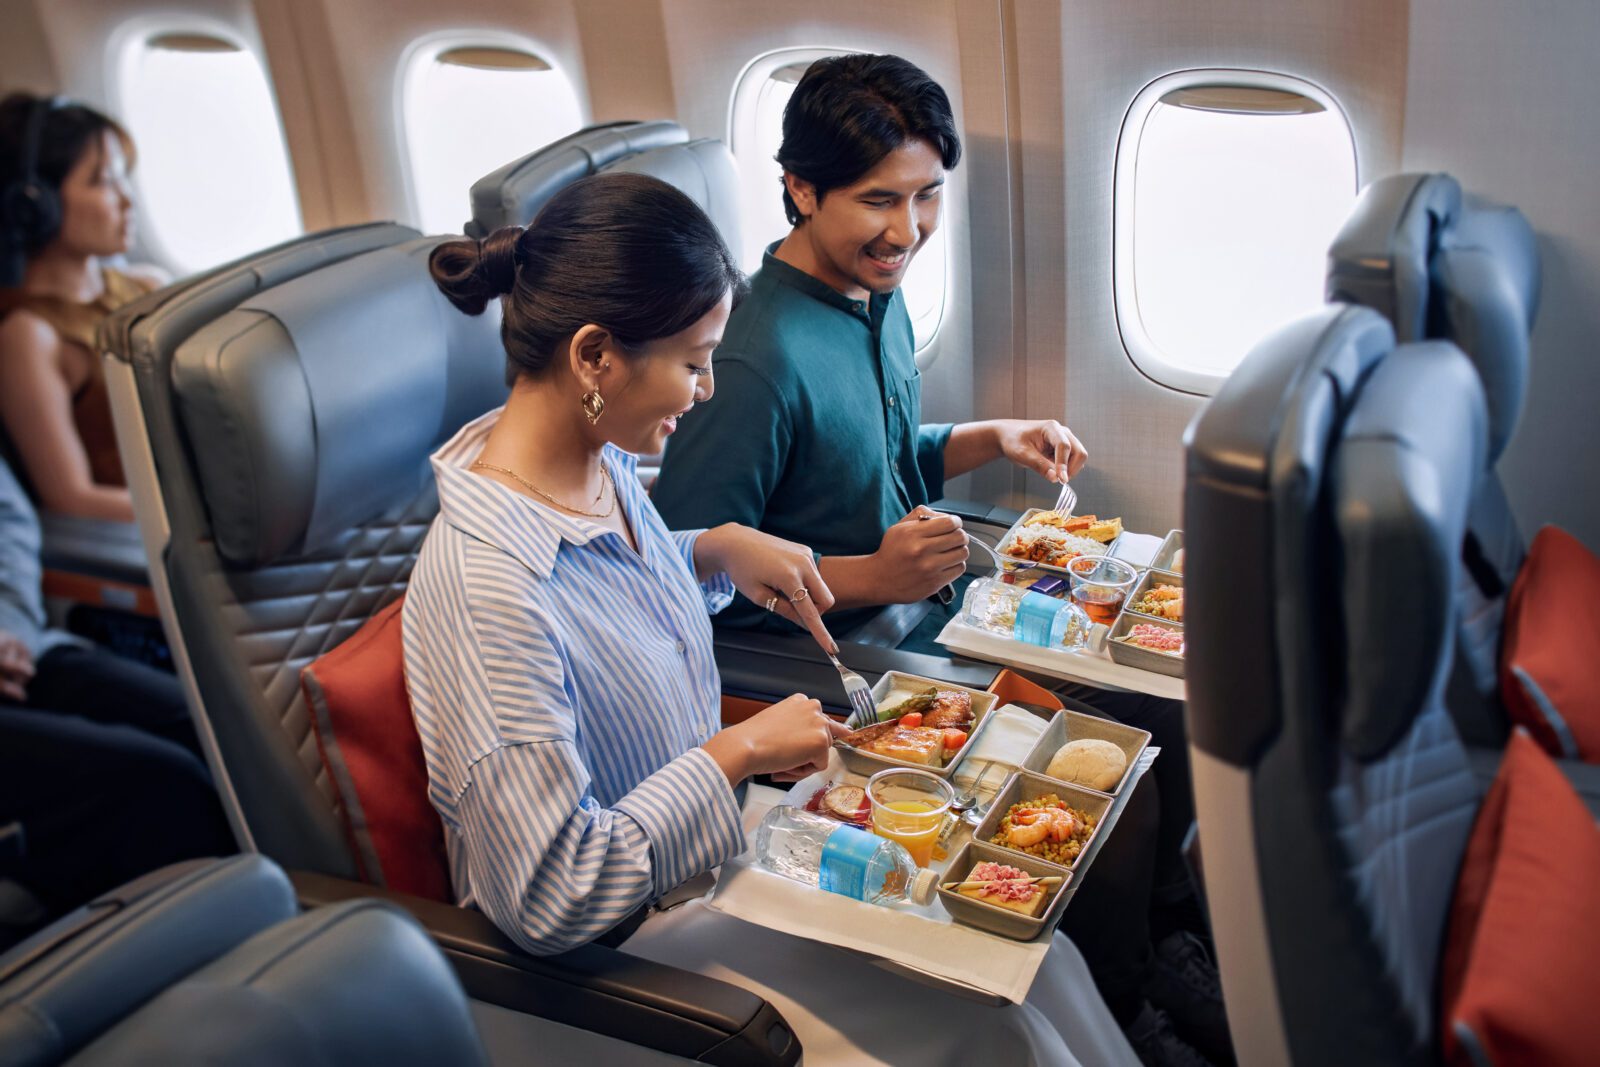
945 596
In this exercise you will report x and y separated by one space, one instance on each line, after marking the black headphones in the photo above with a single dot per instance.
30 211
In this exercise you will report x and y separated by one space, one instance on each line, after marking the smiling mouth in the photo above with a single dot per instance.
887 261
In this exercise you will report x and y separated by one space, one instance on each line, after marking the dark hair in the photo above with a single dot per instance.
68 130
627 252
849 112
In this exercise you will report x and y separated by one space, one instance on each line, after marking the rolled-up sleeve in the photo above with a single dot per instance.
931 441
555 870
718 589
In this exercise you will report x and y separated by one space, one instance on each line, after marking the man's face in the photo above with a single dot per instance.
862 237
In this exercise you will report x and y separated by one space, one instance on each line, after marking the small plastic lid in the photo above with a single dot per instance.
923 886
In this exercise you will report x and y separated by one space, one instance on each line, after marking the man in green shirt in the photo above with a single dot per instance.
814 434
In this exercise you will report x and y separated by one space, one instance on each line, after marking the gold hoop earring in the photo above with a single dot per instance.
593 404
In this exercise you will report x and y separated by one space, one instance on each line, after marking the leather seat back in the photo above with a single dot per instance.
351 983
289 403
1333 794
704 170
1447 265
75 979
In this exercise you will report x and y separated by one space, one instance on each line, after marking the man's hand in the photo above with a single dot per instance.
920 555
1046 447
16 668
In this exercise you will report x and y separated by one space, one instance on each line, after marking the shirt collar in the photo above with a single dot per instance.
787 274
518 525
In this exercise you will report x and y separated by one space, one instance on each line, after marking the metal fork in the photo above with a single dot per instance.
856 688
1067 500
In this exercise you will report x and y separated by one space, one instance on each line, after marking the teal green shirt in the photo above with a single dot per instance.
813 433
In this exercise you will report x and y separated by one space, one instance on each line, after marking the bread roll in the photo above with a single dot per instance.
1089 762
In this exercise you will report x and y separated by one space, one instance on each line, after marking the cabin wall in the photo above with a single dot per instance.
1516 122
1080 65
25 53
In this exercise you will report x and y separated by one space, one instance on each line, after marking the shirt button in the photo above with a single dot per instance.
682 647
891 401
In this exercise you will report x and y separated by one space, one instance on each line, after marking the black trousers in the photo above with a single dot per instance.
101 770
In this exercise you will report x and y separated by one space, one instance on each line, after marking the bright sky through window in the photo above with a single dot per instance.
464 121
764 220
213 176
1232 217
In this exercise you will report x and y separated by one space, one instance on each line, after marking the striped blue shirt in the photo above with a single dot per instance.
562 684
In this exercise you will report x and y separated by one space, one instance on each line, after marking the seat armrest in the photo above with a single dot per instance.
97 548
763 666
972 511
601 990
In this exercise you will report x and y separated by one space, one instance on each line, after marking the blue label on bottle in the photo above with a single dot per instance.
845 857
1035 613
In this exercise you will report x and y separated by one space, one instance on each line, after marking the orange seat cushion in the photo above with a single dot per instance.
1550 659
1522 955
369 744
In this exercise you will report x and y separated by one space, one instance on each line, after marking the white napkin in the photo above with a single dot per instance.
1007 737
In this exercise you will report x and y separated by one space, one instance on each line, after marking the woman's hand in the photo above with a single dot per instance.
778 574
790 738
1046 447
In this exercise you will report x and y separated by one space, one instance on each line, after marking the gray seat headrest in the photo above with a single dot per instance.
1380 257
1403 480
513 194
313 405
704 170
1486 283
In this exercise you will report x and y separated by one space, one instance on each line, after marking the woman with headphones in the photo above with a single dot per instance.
64 209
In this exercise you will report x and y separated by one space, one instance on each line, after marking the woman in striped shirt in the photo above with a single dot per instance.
557 647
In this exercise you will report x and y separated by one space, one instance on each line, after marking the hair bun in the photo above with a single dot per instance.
471 273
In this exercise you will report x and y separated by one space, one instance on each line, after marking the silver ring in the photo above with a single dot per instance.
772 603
799 595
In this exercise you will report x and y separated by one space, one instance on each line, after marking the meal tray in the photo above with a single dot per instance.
1144 658
1147 581
1024 786
1016 926
870 763
1012 564
1166 554
1067 725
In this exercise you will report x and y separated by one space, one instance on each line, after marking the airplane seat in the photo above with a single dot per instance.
276 418
209 961
1440 263
1333 793
75 979
513 194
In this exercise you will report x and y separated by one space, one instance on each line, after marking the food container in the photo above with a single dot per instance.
1022 563
1147 659
1148 581
970 912
1024 786
870 763
1068 725
1167 553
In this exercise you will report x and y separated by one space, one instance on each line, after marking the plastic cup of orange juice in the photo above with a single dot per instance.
909 808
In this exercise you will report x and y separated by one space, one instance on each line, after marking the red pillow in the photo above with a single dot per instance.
1522 957
1548 676
369 743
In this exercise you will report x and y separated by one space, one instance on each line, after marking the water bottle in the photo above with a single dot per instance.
841 859
1026 616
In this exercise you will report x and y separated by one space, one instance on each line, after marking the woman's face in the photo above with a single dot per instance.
655 387
96 209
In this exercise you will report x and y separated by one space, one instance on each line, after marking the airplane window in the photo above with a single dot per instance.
1230 186
213 175
756 131
471 109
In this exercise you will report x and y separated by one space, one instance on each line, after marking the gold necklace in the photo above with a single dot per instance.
605 483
